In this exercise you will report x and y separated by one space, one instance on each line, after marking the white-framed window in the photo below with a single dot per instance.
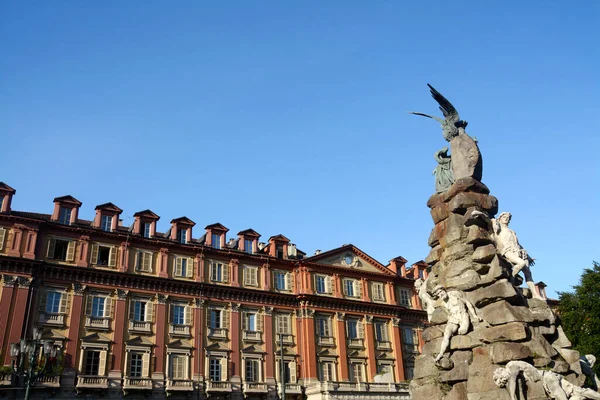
64 215
283 323
61 249
98 305
103 255
405 297
252 321
143 261
252 370
180 314
324 326
106 223
139 364
357 372
378 291
216 241
147 231
184 267
141 310
352 288
2 237
283 280
54 301
178 368
217 369
354 329
327 371
218 318
249 246
289 369
182 235
323 284
219 272
381 331
250 276
91 363
410 337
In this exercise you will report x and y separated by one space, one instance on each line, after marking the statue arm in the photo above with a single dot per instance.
472 311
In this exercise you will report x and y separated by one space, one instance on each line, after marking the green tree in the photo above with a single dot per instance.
580 314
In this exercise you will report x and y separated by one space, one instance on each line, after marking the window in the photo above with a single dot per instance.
61 250
53 302
219 272
214 369
182 236
215 319
178 315
381 332
249 246
404 297
64 216
320 284
106 223
98 306
409 372
327 371
147 231
92 362
411 338
289 371
354 328
141 310
136 365
352 288
378 291
421 274
324 326
283 323
250 322
252 371
184 267
279 251
250 276
104 256
143 261
216 240
356 371
283 280
2 236
178 368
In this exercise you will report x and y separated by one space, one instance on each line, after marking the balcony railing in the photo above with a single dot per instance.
52 319
137 383
383 345
217 333
362 387
48 381
326 341
252 336
140 326
97 323
179 330
92 381
179 384
287 338
218 386
355 343
254 387
290 388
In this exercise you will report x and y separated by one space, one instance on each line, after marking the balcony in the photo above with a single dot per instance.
48 381
357 343
287 338
100 323
254 387
179 385
326 341
362 387
252 336
140 326
290 388
217 333
179 330
52 319
137 383
92 382
383 345
218 386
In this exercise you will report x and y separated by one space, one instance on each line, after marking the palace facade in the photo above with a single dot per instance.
186 314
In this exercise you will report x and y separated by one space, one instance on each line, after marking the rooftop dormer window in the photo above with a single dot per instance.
64 215
145 223
181 230
147 229
107 217
249 246
181 235
6 194
216 240
106 223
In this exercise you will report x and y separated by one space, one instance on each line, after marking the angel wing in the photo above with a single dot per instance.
441 121
446 107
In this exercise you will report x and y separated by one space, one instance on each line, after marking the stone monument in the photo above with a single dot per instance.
488 338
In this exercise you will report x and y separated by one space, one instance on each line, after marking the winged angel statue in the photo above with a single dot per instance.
465 158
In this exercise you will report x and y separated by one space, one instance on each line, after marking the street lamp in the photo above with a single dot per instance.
20 351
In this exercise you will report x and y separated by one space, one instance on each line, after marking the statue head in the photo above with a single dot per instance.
504 218
501 377
439 292
418 283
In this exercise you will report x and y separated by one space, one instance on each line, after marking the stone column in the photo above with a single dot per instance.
161 330
30 243
370 345
269 338
82 251
397 346
19 311
234 362
341 345
119 336
74 325
8 283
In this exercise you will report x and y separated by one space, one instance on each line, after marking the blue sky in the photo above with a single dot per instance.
291 117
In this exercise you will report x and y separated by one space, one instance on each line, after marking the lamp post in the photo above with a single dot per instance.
282 368
20 351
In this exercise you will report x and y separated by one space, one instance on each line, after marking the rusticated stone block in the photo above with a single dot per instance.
433 239
560 340
451 230
466 185
511 332
462 201
503 352
570 356
540 347
427 391
559 366
461 342
500 290
494 394
433 332
458 392
484 254
473 216
456 268
502 312
478 236
440 212
481 372
539 362
436 199
424 367
434 255
432 348
495 272
458 251
439 316
465 281
460 371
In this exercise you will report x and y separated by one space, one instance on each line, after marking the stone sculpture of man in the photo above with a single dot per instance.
509 247
554 384
587 362
427 302
461 314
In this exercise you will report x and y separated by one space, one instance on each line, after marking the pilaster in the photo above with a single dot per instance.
161 329
268 335
370 345
234 268
30 243
199 267
8 283
74 324
82 251
119 321
199 332
124 262
15 247
234 366
309 356
337 286
341 342
163 263
266 270
397 346
19 311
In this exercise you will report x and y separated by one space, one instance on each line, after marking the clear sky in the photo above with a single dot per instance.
291 116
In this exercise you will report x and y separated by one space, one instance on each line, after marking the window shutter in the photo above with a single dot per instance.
224 372
178 266
149 311
2 236
107 307
384 332
112 258
415 337
187 318
244 321
190 267
328 286
71 251
146 365
225 273
43 298
225 318
358 289
345 285
89 301
64 302
292 365
288 281
94 258
131 309
246 276
360 329
260 322
102 363
51 246
171 313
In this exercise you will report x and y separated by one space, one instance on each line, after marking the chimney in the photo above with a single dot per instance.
292 251
231 242
261 245
317 252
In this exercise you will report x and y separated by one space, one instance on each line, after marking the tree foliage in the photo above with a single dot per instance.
580 314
